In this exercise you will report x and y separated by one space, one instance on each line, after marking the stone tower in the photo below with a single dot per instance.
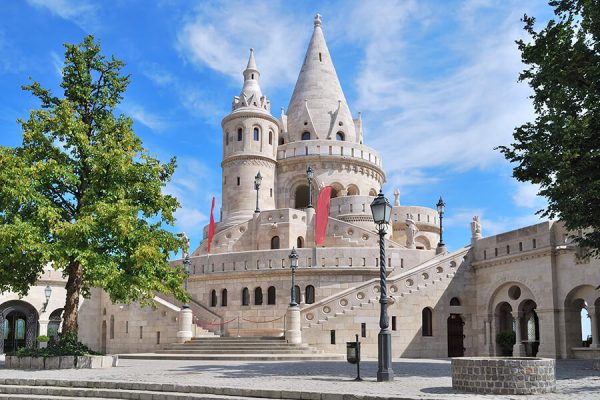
250 136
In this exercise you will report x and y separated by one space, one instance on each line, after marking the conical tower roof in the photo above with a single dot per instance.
318 102
251 95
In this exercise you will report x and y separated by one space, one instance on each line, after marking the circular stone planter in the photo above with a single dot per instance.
503 375
60 362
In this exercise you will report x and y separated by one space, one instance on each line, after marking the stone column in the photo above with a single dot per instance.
293 333
594 326
185 325
547 333
518 348
43 331
493 336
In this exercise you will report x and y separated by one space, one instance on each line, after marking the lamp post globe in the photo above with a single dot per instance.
257 182
441 206
382 211
310 174
293 265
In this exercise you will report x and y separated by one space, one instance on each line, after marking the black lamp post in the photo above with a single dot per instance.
310 174
257 181
293 265
440 209
382 210
186 266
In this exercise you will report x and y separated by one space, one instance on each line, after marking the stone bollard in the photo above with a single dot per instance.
185 325
293 333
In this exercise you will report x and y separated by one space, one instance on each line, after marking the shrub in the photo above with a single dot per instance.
506 341
43 339
67 345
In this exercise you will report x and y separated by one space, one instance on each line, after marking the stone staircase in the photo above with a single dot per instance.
237 348
366 295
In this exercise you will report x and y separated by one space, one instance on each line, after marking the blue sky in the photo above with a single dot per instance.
436 83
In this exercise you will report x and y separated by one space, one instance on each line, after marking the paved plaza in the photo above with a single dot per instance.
415 378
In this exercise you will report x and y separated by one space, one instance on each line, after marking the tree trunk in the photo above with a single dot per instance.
73 287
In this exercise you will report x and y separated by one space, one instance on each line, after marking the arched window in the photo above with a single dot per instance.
427 324
306 136
240 134
213 298
310 294
300 242
112 326
340 136
275 242
256 134
297 293
301 197
258 296
227 139
455 301
245 297
271 295
270 137
281 141
224 298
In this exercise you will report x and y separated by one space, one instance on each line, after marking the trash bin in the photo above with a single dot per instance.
352 352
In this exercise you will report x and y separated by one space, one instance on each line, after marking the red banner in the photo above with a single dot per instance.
211 227
322 215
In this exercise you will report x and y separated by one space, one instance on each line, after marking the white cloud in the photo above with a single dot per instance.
80 12
462 217
57 63
219 37
456 117
526 196
138 113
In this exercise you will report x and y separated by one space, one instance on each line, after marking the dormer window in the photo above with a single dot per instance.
240 134
339 136
306 136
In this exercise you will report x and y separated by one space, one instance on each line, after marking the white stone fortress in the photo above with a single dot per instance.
531 281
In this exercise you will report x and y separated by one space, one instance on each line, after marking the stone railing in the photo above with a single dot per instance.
327 147
436 269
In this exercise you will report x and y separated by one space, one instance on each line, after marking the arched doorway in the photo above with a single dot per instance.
530 328
18 325
54 323
578 303
455 336
504 329
301 197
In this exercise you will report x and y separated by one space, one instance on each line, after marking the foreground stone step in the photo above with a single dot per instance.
235 357
245 351
61 392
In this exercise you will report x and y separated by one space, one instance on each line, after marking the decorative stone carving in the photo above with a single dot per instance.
411 232
476 228
397 197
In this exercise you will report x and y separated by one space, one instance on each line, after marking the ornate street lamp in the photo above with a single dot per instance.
440 209
293 265
310 175
257 181
382 210
47 293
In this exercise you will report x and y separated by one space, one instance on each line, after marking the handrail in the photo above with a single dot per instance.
427 264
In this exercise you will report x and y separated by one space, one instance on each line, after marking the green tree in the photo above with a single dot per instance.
83 194
560 149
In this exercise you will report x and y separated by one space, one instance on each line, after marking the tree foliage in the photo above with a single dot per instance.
82 193
560 149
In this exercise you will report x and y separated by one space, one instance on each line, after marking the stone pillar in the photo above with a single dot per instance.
43 331
493 336
594 326
547 333
293 332
518 348
185 325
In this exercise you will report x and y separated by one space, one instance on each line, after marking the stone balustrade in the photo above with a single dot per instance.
327 147
398 285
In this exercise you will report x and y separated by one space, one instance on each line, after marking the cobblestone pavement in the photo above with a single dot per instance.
414 378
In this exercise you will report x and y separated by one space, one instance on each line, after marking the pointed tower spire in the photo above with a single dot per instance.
251 96
319 86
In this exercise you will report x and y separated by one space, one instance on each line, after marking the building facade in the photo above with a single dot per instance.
531 281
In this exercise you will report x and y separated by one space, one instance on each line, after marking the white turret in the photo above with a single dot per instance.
250 135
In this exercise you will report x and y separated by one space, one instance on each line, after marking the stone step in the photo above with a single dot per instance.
219 346
241 338
61 392
235 357
247 351
46 397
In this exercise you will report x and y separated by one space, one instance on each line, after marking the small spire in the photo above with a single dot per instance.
317 20
251 63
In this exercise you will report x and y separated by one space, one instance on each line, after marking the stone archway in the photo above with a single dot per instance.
18 325
583 296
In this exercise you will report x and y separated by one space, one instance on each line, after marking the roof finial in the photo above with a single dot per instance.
317 20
